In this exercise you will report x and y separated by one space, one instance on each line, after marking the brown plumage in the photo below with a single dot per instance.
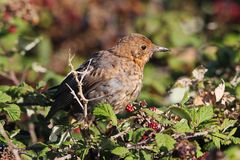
115 75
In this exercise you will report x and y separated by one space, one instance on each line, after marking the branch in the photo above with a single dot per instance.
197 134
121 133
83 101
75 96
11 76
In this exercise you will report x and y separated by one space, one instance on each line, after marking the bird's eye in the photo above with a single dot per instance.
143 47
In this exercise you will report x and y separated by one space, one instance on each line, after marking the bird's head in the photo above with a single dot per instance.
137 48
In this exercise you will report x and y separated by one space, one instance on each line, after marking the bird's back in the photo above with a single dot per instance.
110 79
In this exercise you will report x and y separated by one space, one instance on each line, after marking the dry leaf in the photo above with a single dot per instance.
198 101
199 72
227 98
183 82
219 91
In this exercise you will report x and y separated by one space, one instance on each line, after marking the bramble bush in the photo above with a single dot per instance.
206 119
197 119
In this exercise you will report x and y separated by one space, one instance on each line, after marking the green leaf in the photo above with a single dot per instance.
232 132
120 151
198 149
44 152
129 158
145 155
82 152
13 133
105 110
181 113
13 111
182 127
137 135
226 124
235 140
204 113
216 141
185 98
157 116
129 135
220 135
4 97
164 140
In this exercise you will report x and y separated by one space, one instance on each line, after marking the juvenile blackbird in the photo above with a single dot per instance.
115 75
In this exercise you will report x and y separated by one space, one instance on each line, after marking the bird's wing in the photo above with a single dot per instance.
95 76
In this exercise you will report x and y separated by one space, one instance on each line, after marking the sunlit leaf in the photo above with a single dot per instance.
165 141
181 113
13 111
4 97
105 110
120 151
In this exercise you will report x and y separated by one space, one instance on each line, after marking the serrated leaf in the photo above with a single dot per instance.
82 152
4 97
120 151
181 113
137 135
232 132
216 141
226 124
157 116
198 149
105 110
43 152
164 140
185 98
235 140
145 155
182 127
129 158
204 113
13 111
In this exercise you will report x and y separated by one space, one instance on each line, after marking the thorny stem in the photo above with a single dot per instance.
83 102
198 134
75 96
121 133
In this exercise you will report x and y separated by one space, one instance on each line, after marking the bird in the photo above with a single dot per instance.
115 76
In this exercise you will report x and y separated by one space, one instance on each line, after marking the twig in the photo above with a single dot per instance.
198 134
68 156
32 132
121 133
11 76
75 96
12 147
82 101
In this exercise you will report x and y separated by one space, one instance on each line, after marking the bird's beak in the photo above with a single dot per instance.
160 49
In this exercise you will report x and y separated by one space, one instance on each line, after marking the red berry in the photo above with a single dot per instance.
153 108
76 130
144 137
12 29
143 103
129 108
153 125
